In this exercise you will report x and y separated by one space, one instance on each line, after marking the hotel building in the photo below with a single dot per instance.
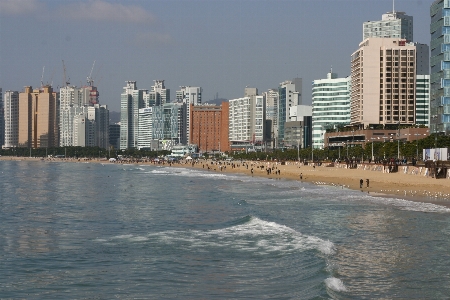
383 81
209 127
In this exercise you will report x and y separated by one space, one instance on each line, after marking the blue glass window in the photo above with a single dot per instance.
445 82
446 12
445 65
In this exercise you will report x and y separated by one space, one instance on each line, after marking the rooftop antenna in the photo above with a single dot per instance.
331 70
393 6
66 81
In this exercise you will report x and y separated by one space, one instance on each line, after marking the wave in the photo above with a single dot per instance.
291 189
247 234
335 284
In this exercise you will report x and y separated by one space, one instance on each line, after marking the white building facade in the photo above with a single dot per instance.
190 96
331 106
145 136
11 107
131 100
247 119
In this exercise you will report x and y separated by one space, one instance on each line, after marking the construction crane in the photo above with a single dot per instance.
66 81
42 77
90 81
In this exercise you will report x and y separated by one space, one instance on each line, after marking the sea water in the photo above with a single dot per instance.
104 231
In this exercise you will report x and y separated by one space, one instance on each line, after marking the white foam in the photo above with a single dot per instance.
256 235
335 284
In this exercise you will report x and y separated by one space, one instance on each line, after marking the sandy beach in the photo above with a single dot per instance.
405 184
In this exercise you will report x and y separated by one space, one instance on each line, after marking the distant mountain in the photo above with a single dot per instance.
217 101
114 117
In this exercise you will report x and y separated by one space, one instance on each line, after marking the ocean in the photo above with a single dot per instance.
106 231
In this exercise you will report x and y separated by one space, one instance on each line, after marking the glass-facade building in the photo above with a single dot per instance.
331 106
440 67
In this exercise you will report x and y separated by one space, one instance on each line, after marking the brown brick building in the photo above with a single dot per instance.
209 127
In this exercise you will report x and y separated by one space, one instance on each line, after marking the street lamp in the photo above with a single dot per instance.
347 148
398 140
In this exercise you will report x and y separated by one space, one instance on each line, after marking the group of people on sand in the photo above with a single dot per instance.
361 183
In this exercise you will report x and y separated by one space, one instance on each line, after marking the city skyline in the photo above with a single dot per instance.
221 46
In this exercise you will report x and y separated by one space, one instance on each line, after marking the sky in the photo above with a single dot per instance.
220 45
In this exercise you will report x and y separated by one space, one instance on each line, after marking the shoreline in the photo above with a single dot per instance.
418 188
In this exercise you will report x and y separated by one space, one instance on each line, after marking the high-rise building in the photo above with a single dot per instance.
247 118
393 24
80 107
159 95
289 94
131 101
440 67
383 81
423 100
114 136
145 136
331 106
209 127
72 100
169 124
190 96
271 97
2 120
11 104
38 118
99 114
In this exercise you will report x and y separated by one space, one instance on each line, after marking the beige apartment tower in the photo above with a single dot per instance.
38 118
383 81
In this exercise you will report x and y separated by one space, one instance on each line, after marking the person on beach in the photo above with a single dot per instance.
301 176
361 181
367 182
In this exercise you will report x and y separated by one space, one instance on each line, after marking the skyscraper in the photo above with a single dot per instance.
159 94
2 120
38 118
247 118
393 24
131 101
272 113
11 104
190 96
383 81
331 105
80 107
440 67
289 94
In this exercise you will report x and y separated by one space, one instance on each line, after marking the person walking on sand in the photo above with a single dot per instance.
367 182
301 176
361 181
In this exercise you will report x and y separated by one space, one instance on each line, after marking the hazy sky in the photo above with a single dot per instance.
221 46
